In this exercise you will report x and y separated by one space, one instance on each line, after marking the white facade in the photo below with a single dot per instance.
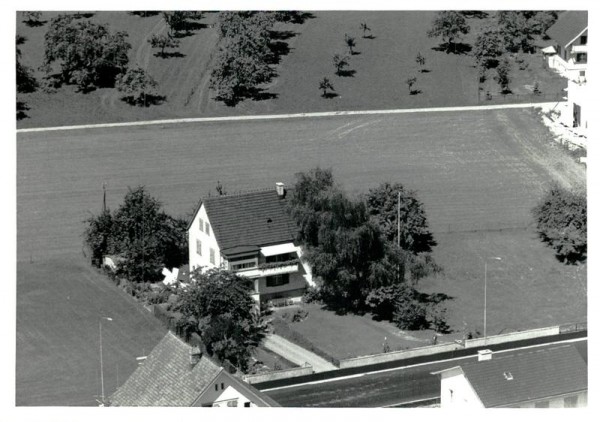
202 243
457 391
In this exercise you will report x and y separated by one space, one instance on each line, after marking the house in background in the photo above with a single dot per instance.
550 377
177 374
252 234
569 56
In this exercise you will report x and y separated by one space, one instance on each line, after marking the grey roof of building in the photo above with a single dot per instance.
568 26
536 374
245 222
166 377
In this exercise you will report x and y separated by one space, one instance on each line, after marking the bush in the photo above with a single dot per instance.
436 317
410 314
561 218
312 294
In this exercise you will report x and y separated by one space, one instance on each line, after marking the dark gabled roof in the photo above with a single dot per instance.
249 220
166 378
536 374
568 26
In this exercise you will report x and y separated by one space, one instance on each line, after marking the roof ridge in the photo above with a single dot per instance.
239 193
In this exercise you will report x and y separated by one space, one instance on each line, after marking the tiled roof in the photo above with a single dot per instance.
568 26
248 391
536 374
166 378
249 220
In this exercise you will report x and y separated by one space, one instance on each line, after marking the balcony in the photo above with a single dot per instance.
270 269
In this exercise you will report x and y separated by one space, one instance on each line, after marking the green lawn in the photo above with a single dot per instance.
382 65
59 304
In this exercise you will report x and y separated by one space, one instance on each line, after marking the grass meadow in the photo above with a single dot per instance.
478 174
375 78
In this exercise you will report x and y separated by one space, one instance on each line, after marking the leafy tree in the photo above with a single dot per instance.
325 85
88 54
503 74
542 20
343 246
98 236
350 43
142 234
410 82
162 42
138 86
243 59
176 21
219 307
516 30
382 301
561 219
410 314
31 18
340 63
365 29
26 82
420 61
382 206
450 26
488 46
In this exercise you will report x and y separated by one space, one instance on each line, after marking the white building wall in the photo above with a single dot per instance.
230 397
208 242
457 392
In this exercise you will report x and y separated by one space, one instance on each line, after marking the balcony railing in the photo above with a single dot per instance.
271 268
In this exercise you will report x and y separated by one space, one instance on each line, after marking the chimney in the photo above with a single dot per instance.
485 354
280 189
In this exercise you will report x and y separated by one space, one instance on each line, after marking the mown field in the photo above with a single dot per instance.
380 68
475 172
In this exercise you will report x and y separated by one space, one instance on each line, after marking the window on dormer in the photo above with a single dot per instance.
583 40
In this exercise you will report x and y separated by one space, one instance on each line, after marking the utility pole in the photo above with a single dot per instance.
102 361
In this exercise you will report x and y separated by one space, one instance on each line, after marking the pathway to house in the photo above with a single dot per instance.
543 106
296 354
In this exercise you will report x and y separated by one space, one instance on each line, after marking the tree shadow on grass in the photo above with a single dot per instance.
346 73
259 94
329 95
146 101
454 48
80 15
415 91
144 13
282 35
369 37
296 17
168 54
425 71
278 49
35 24
22 107
189 28
355 53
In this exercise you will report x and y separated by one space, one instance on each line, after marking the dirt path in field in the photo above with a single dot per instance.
539 148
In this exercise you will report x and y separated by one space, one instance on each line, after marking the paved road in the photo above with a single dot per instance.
297 354
377 389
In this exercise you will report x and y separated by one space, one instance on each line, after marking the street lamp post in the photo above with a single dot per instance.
101 360
497 258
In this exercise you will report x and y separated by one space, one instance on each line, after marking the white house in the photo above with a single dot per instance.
542 377
569 56
177 374
252 234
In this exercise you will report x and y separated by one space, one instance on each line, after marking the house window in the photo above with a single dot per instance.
222 386
583 40
232 403
247 404
542 404
571 401
207 228
212 256
198 247
451 395
201 224
278 280
242 262
581 58
216 387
